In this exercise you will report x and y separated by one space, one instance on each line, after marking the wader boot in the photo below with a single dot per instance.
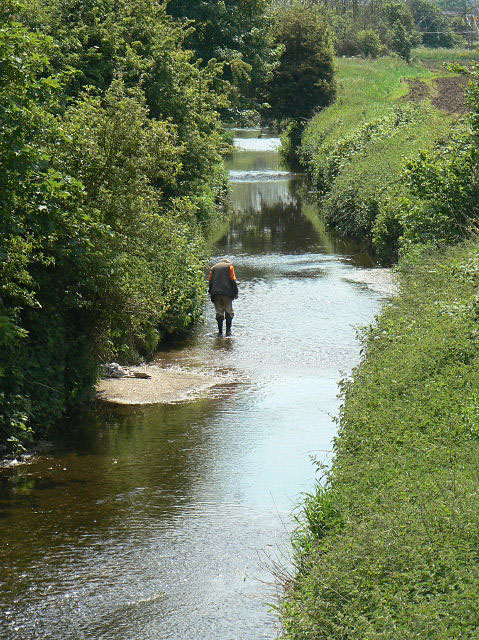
229 320
220 325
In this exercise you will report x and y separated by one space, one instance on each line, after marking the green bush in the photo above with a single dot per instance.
400 178
357 144
107 192
446 185
362 177
102 40
369 43
367 90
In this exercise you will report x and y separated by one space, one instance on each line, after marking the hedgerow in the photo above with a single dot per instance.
380 168
371 174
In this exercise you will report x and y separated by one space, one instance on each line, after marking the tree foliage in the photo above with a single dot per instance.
238 35
110 144
304 79
430 21
398 24
100 40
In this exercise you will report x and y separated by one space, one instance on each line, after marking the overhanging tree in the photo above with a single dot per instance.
236 33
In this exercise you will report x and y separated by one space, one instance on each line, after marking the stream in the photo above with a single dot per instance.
168 521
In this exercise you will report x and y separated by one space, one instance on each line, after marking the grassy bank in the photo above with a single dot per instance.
366 89
432 57
389 548
386 112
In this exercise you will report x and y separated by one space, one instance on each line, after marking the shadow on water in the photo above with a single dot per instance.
149 522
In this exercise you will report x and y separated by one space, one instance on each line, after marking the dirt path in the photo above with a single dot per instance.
447 94
450 96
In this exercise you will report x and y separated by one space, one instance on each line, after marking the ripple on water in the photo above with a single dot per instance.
257 144
260 176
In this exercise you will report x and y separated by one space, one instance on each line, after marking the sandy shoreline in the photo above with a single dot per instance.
378 279
166 385
172 384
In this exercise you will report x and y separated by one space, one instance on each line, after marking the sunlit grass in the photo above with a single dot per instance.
389 550
355 149
428 55
367 89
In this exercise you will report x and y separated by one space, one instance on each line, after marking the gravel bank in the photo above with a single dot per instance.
165 385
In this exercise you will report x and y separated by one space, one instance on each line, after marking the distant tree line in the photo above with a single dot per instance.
238 35
380 27
276 58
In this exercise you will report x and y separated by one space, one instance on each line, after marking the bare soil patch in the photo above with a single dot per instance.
418 91
450 94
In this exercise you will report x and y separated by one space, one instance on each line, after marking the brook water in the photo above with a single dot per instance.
162 522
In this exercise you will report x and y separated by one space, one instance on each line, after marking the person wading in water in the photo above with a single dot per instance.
223 289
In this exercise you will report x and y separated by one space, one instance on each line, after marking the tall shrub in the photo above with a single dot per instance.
236 33
304 80
103 192
445 182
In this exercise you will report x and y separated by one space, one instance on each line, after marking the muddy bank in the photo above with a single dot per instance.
164 386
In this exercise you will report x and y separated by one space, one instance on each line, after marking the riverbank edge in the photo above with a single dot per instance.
386 545
354 151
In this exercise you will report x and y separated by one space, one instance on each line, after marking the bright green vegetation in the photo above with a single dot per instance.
441 55
361 193
356 151
387 548
110 171
366 89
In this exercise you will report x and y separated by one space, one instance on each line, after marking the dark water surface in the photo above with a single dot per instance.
159 522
